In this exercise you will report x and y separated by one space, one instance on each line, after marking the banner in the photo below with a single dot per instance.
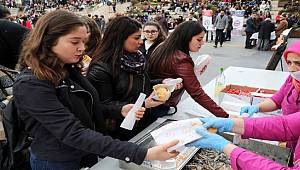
14 11
238 19
207 19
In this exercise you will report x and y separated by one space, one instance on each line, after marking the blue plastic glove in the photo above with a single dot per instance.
222 124
209 141
250 110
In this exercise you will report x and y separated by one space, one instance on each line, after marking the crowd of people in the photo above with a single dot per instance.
73 109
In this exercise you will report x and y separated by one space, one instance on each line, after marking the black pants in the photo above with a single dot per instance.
228 35
248 41
219 37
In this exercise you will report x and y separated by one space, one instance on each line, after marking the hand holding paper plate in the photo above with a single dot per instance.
183 130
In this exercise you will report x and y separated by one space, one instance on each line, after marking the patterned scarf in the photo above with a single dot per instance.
133 63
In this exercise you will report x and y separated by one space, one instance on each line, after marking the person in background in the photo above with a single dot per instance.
282 25
11 37
118 73
97 20
221 25
60 108
94 36
26 23
250 29
154 35
230 27
102 24
161 19
264 34
4 12
278 128
172 59
93 40
268 15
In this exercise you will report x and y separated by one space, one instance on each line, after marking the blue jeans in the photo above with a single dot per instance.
40 164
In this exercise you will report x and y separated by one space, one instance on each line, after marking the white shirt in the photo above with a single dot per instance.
148 45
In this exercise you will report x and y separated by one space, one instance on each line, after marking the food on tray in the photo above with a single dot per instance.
239 92
162 93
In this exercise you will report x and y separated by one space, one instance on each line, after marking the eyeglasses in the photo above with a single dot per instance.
150 32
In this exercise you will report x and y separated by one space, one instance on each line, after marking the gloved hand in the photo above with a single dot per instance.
250 110
209 140
222 124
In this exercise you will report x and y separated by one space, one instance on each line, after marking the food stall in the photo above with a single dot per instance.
189 158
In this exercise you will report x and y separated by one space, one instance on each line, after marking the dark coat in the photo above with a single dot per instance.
11 37
250 25
62 119
182 66
265 29
283 25
230 22
148 52
117 91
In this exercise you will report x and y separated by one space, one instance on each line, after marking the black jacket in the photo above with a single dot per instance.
250 25
148 52
11 38
118 91
265 29
62 119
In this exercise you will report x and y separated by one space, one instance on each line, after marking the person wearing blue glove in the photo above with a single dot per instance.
278 127
250 110
209 141
222 124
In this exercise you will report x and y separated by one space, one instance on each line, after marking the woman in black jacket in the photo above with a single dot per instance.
117 71
154 35
59 107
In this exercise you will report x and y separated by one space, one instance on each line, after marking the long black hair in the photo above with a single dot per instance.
178 40
111 48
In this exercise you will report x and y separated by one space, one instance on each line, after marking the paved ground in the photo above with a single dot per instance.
105 10
233 53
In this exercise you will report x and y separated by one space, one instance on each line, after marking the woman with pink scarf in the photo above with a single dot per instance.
288 97
280 128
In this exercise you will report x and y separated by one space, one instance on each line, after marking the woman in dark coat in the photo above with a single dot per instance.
154 35
117 71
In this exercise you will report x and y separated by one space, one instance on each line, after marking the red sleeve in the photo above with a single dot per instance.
185 70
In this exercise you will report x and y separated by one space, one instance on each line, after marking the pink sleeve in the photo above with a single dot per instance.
242 159
278 97
280 128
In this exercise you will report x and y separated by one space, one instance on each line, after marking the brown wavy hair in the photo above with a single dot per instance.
161 34
37 48
95 36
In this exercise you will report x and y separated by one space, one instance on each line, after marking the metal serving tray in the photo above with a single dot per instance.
144 138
